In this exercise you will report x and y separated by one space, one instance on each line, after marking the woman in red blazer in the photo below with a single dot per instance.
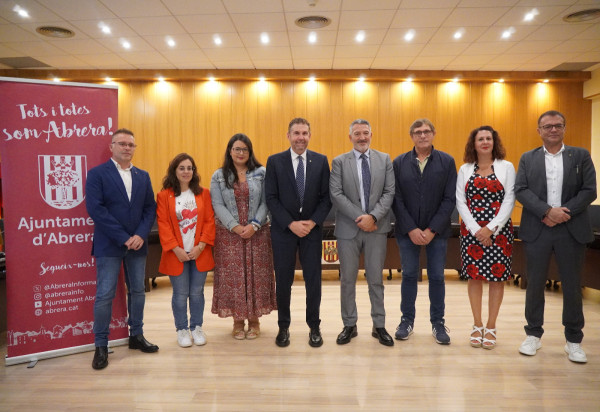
186 228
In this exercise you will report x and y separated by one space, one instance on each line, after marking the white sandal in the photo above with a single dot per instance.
476 341
489 343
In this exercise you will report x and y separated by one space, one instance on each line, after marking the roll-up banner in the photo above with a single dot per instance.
51 134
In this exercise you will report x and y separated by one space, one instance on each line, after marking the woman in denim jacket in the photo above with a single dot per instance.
244 285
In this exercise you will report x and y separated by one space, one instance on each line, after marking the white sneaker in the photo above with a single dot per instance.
199 336
183 338
575 352
530 345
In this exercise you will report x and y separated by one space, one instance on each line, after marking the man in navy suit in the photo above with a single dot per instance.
297 193
556 184
120 200
423 203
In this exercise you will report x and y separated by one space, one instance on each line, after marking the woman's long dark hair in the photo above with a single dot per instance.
170 181
498 151
228 167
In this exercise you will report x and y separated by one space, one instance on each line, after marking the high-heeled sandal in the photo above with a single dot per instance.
489 343
476 340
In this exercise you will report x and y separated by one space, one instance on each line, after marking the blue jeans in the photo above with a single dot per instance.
436 260
188 285
107 276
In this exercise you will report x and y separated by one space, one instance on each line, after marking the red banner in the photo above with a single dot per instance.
50 135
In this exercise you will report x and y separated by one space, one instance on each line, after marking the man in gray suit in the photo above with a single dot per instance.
555 183
361 186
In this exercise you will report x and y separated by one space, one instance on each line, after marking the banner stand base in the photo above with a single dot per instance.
33 358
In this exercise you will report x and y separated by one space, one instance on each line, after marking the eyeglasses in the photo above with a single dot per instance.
422 133
240 150
548 127
124 145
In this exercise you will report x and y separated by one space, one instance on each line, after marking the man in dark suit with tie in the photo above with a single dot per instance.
297 193
120 200
362 190
555 184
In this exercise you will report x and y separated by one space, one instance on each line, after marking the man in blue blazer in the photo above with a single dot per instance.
120 200
362 189
555 184
297 193
424 200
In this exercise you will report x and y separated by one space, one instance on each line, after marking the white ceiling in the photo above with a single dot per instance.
538 45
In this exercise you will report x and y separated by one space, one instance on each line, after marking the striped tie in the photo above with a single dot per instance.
300 179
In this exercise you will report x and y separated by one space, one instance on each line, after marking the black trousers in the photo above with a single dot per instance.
285 245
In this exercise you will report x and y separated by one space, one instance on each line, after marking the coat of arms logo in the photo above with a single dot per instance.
62 180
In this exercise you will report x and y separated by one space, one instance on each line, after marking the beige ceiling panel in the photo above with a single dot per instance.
146 58
475 16
400 50
497 47
114 44
371 4
275 39
207 23
37 13
494 33
186 7
366 19
372 37
155 25
414 18
78 9
428 4
207 40
356 51
468 34
421 35
269 53
182 41
348 63
313 64
274 64
251 6
558 31
532 47
314 52
253 22
233 64
136 8
227 54
305 8
391 63
516 16
68 62
118 28
106 61
441 49
324 38
31 48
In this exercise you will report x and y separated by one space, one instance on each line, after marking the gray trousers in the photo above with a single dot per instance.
569 256
374 246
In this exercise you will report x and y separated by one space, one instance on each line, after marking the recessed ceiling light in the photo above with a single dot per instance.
56 79
455 80
125 44
361 79
261 79
161 79
217 40
508 32
409 79
311 79
21 11
409 35
170 42
459 33
360 36
107 79
104 28
546 80
312 37
211 79
264 38
530 15
500 80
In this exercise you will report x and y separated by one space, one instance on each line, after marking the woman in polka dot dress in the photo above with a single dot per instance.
485 198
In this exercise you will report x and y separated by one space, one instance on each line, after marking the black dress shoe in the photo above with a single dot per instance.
100 358
383 336
346 335
283 338
139 342
314 338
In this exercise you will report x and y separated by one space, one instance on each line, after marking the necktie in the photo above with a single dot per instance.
300 179
366 180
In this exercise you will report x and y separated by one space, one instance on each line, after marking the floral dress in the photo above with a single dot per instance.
484 196
244 283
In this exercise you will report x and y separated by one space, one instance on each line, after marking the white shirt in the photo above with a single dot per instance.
126 176
187 217
554 176
359 161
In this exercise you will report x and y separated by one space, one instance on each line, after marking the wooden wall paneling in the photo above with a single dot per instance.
383 122
335 117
